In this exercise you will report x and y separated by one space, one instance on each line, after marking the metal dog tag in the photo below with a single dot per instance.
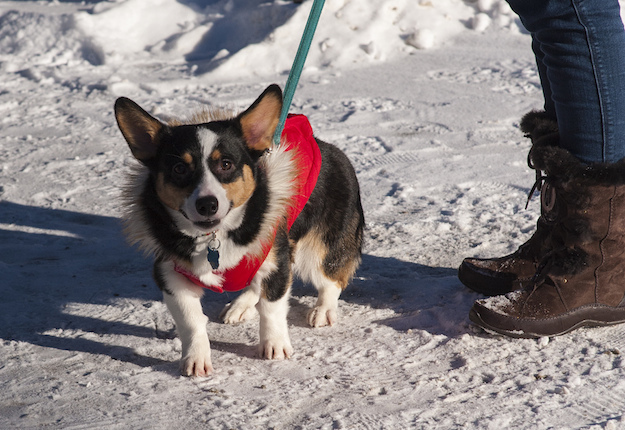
213 258
212 254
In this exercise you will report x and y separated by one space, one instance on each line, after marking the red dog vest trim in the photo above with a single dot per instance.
298 135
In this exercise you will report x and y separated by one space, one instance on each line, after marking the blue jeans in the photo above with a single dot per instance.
580 53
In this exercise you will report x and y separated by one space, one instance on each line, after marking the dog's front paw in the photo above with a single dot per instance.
276 349
321 316
197 362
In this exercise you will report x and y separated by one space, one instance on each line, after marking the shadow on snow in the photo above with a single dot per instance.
51 260
224 36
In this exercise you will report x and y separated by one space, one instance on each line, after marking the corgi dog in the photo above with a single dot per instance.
220 207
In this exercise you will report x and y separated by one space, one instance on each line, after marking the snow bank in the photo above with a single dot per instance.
31 39
210 33
127 28
230 39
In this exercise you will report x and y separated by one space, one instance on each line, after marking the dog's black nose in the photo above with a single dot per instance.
207 206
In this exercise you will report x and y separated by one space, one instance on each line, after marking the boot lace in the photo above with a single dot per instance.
548 195
542 277
538 183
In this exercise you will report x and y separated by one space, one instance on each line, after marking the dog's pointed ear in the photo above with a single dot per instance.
139 128
260 120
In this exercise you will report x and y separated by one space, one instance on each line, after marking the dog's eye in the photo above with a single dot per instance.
180 169
226 164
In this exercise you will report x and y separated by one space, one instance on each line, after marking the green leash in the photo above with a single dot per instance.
298 65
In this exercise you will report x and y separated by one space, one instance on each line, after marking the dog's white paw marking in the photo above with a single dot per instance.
235 313
275 343
321 316
276 349
197 362
241 309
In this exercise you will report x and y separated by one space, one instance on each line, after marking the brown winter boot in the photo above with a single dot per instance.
581 280
495 276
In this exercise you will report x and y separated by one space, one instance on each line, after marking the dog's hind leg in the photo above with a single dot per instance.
325 310
243 308
329 269
309 265
327 234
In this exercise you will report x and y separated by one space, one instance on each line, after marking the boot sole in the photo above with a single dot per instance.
588 316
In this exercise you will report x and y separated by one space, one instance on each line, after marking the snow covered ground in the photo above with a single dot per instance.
423 96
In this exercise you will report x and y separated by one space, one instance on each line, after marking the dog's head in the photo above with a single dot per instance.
202 171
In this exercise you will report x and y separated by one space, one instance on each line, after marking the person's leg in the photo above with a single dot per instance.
579 47
550 108
500 275
581 280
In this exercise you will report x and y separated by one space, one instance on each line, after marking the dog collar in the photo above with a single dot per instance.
212 251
